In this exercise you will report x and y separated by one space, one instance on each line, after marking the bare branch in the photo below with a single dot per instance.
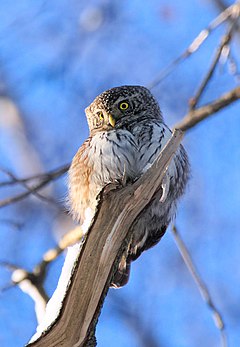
224 42
200 284
31 283
196 43
194 117
189 121
15 180
70 238
222 6
44 180
52 174
76 324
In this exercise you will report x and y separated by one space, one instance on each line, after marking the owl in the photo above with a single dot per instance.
127 132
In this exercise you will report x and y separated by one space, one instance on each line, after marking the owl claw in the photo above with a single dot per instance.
165 187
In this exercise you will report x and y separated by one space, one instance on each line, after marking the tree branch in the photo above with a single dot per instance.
99 256
200 284
190 120
222 6
224 42
44 180
194 117
227 13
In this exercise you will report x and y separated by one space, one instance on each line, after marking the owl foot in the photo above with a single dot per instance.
165 187
121 277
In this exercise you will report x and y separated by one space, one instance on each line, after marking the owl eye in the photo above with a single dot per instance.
123 105
100 115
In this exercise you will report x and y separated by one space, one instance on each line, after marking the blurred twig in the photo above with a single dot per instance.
195 116
31 283
15 180
43 178
196 43
224 42
222 6
200 284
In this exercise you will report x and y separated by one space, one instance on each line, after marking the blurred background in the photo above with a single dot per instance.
55 57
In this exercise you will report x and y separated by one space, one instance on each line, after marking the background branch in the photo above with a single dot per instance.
44 179
34 183
224 42
192 118
227 13
200 284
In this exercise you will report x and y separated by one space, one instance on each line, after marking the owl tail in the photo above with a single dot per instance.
121 276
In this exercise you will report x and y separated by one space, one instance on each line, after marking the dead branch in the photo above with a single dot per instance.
31 283
194 117
79 313
75 326
76 323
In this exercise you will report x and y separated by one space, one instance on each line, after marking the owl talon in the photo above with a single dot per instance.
165 187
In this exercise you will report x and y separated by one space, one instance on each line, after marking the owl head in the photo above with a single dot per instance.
121 106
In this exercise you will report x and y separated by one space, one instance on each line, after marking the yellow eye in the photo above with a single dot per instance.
100 115
123 105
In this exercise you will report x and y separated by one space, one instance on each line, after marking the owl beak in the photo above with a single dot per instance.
111 120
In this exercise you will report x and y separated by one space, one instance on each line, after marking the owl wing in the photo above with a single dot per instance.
152 222
81 194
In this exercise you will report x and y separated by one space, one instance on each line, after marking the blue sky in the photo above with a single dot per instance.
55 57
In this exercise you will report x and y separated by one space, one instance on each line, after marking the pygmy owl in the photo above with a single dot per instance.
127 132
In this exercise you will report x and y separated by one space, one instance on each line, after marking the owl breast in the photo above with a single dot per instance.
126 153
116 155
105 158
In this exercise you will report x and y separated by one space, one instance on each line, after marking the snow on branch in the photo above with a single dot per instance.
82 295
